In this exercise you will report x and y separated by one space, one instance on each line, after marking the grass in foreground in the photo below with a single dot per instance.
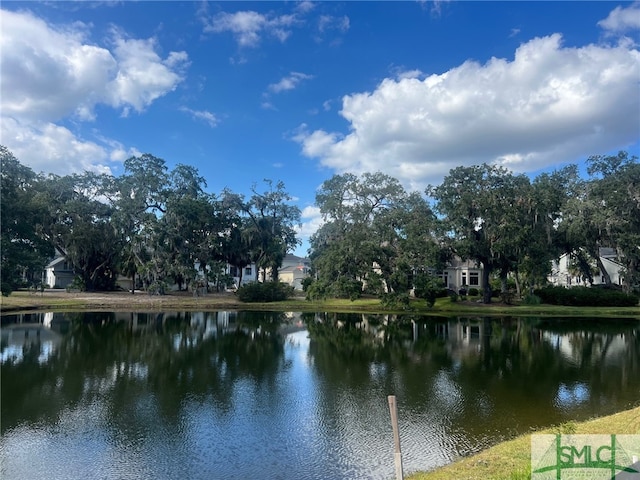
511 460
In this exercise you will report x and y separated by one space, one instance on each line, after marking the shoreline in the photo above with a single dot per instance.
58 300
511 459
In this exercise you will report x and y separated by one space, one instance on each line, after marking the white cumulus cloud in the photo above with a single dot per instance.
311 222
55 73
622 19
550 104
248 26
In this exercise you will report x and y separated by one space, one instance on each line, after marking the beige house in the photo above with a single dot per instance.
293 271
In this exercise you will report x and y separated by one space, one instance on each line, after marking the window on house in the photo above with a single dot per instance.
233 271
247 271
474 278
464 278
445 279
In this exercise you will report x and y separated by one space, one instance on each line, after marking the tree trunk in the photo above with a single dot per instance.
486 285
503 281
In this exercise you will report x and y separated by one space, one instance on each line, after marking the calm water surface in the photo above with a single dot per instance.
226 395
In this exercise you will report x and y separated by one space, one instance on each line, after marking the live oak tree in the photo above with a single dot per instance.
614 187
24 246
270 226
159 224
80 227
545 242
605 212
481 206
139 197
354 246
375 235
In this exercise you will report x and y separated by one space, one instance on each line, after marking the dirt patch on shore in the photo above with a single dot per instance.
61 299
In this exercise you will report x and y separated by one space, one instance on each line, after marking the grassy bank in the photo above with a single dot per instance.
512 460
140 301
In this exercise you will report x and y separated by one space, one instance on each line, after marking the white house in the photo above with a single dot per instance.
462 274
249 274
562 273
58 272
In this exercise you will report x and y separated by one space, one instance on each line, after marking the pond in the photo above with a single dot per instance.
241 395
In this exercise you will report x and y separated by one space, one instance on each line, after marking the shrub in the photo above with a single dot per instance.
317 290
396 300
453 296
76 284
306 283
507 297
473 292
427 287
346 288
531 299
6 289
586 297
157 288
265 292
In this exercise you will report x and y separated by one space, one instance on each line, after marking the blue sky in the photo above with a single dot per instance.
299 91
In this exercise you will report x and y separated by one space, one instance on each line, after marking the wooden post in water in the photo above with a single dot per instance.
396 437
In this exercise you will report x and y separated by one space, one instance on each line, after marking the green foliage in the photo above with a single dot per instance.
586 297
374 285
396 301
427 287
265 292
473 292
342 288
374 231
453 296
25 245
76 284
317 290
496 285
154 225
6 289
306 283
487 208
270 226
531 299
346 288
157 288
507 297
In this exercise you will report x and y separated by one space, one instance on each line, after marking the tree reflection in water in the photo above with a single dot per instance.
217 394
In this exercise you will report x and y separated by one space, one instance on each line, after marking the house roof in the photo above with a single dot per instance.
55 261
292 268
290 258
607 252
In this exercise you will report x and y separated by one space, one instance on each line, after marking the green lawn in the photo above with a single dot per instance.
60 299
511 460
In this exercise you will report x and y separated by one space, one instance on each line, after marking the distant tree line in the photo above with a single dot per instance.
159 226
377 237
150 224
